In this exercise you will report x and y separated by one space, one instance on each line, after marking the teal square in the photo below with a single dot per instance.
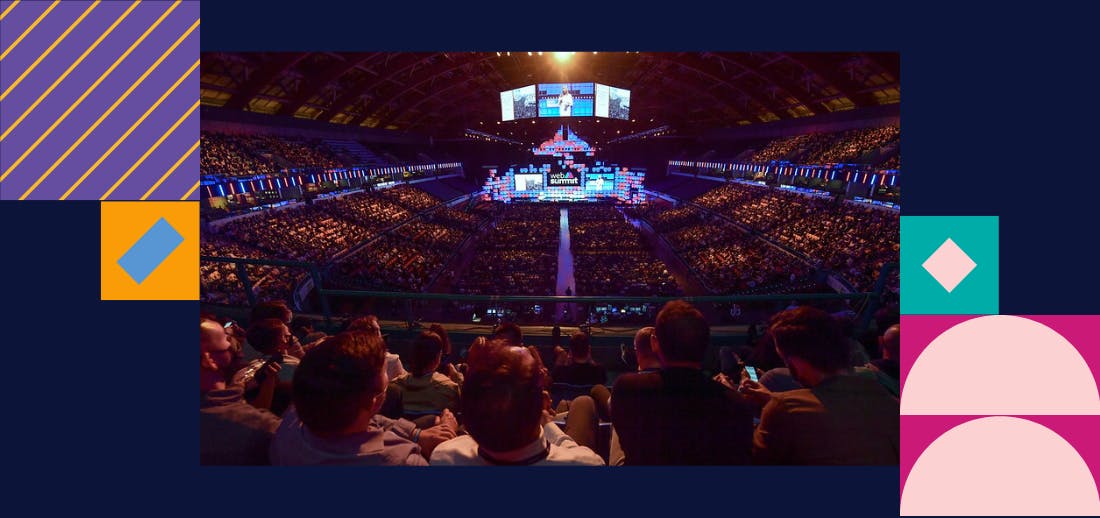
978 293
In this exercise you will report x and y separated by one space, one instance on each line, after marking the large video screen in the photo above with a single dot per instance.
566 99
599 182
612 102
518 104
528 182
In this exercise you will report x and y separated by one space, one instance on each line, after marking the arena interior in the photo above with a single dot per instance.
668 258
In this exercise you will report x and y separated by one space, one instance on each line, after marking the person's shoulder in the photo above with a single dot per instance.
637 381
459 450
795 400
444 381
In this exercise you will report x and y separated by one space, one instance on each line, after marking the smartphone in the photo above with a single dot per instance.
752 373
228 324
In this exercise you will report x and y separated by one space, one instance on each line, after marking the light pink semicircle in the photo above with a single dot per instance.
1002 466
1000 365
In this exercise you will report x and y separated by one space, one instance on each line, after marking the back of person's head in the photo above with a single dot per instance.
426 352
368 324
438 329
267 336
643 342
682 333
271 309
891 341
579 345
810 334
338 380
502 395
510 332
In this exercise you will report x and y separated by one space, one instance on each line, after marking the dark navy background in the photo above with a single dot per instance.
998 116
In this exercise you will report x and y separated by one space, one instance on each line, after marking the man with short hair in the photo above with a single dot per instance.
580 369
506 412
277 309
643 351
424 389
891 345
338 390
510 332
678 415
841 418
231 431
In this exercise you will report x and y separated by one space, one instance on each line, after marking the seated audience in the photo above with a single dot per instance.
579 368
231 431
338 391
424 389
840 418
506 412
678 415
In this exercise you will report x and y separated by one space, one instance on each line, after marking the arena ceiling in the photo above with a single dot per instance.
442 93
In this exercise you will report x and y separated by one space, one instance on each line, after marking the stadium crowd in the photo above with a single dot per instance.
610 258
828 148
284 393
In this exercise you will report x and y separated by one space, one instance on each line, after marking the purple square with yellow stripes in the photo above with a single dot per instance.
99 100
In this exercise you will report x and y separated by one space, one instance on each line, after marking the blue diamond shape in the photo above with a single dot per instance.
152 249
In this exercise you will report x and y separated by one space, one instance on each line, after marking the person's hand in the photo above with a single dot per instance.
453 373
434 436
725 381
547 410
447 419
269 374
755 392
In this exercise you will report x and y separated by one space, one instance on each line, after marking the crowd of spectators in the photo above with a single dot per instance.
610 257
852 145
852 240
827 148
345 399
246 155
893 162
411 198
518 255
227 155
219 283
302 233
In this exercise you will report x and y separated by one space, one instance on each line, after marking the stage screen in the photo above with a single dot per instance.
507 111
599 182
601 100
618 103
518 104
566 99
528 182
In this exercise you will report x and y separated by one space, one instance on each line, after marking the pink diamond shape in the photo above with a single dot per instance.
949 265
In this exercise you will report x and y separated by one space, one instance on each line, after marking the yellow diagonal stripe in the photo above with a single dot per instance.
28 29
111 109
65 74
127 133
150 151
87 92
49 49
188 195
170 171
6 11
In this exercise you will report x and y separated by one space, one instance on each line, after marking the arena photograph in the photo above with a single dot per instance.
523 258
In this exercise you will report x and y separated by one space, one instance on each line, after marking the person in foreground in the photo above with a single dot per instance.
505 409
338 390
231 431
841 418
678 415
